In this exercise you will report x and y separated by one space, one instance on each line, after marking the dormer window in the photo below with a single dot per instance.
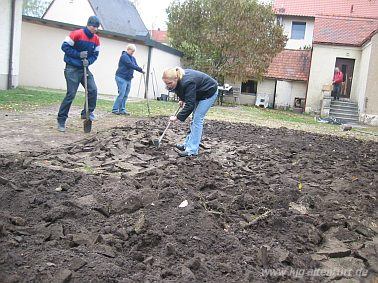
298 30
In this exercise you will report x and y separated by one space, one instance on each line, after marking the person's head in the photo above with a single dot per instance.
337 70
93 24
172 76
130 49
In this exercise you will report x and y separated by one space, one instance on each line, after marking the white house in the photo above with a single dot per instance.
340 34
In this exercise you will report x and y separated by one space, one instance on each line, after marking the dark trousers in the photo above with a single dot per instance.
75 76
336 90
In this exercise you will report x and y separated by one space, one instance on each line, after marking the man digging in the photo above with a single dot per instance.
81 49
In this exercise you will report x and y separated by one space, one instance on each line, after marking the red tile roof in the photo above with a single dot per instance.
311 8
290 65
343 31
159 35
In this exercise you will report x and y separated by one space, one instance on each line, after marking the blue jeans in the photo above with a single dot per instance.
337 90
123 93
193 139
74 76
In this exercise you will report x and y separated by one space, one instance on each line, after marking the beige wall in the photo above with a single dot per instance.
5 32
286 92
298 43
371 109
42 62
363 74
266 87
321 73
67 11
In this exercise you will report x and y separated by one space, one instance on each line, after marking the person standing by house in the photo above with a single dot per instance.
124 74
197 92
81 49
337 82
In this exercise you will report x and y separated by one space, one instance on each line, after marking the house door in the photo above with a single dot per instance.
346 66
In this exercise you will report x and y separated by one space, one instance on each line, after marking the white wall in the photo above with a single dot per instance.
322 68
298 43
42 62
70 11
5 32
266 87
370 115
160 61
287 91
363 71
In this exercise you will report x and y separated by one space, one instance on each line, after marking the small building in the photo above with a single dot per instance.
42 64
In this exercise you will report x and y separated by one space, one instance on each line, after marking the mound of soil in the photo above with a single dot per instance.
257 204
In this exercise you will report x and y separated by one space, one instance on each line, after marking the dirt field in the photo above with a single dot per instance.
263 205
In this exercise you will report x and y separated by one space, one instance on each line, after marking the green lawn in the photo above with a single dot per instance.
25 99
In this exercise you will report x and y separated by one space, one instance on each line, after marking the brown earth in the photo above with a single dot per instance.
264 205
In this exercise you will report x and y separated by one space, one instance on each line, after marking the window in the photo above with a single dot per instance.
298 30
249 87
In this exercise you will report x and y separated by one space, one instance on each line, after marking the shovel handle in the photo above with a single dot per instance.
86 93
166 128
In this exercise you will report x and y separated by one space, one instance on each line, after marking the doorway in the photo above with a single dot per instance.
346 66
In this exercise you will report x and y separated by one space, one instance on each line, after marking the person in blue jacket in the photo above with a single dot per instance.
197 92
124 74
81 49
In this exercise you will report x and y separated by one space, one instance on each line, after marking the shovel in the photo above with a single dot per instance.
157 142
87 121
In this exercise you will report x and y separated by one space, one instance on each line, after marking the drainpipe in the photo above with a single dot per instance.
275 92
148 69
10 63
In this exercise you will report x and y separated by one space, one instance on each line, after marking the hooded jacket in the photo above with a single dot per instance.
126 66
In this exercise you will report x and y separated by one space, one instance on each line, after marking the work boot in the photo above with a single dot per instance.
124 113
180 147
61 127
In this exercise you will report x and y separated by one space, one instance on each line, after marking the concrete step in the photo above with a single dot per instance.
343 115
343 112
343 102
346 106
345 120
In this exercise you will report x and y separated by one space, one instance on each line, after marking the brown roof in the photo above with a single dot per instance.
311 8
159 35
290 65
343 31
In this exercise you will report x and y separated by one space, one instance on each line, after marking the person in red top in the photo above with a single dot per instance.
337 81
81 49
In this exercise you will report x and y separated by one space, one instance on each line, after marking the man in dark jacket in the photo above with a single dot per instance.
124 74
81 49
197 92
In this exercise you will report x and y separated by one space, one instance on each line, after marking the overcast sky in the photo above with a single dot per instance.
153 12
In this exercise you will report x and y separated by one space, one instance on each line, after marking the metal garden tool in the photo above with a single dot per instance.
146 94
87 121
157 142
